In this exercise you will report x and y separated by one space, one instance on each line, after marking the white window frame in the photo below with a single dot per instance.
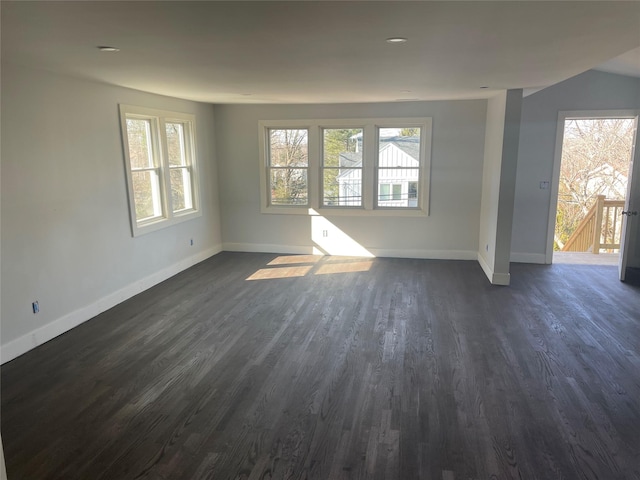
270 167
322 168
158 120
370 127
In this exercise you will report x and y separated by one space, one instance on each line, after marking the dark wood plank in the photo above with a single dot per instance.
259 366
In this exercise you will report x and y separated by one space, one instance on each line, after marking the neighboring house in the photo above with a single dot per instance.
398 173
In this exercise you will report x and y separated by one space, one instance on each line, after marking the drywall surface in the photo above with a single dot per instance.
592 90
508 168
66 236
491 180
450 231
498 184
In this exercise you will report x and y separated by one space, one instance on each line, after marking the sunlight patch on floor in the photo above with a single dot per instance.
280 272
288 266
293 259
329 268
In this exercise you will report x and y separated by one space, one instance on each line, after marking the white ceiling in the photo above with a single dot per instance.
321 52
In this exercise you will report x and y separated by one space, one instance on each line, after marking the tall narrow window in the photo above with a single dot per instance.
159 150
288 166
398 167
145 170
179 166
342 166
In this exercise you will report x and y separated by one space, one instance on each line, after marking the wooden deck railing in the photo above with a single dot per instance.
600 229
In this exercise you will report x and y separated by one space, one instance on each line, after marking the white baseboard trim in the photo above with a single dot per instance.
376 252
494 278
23 344
268 248
539 258
425 254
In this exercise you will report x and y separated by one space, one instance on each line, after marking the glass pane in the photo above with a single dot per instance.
176 144
288 148
342 187
399 147
398 187
288 186
342 147
385 190
181 189
413 194
397 191
139 137
146 193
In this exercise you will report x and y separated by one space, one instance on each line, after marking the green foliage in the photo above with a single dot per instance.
335 142
410 132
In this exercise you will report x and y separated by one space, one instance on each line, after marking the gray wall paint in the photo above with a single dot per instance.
491 180
66 236
508 168
498 184
456 182
591 90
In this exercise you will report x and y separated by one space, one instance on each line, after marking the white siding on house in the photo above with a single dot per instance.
396 168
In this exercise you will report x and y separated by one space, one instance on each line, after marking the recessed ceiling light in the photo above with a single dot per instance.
396 40
104 48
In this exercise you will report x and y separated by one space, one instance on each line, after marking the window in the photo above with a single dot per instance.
159 150
342 167
345 167
398 166
288 166
390 194
413 194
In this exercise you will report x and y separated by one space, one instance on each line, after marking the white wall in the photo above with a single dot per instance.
494 135
498 184
451 230
66 236
592 90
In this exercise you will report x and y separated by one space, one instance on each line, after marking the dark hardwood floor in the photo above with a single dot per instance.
258 366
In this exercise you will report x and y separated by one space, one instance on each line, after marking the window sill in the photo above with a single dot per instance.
159 224
346 212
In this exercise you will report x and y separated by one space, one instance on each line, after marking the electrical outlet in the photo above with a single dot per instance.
35 307
325 233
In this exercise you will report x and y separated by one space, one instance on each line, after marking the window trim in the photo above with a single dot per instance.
158 120
370 127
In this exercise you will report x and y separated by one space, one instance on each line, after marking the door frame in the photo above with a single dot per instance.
557 160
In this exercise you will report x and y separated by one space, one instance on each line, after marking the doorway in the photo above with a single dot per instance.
595 156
